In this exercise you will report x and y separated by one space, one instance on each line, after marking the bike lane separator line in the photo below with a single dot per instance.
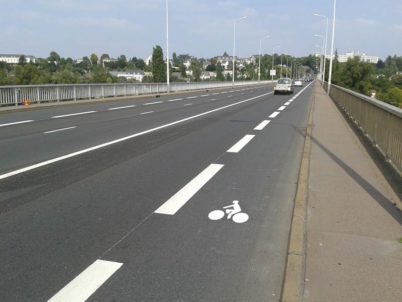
73 114
262 125
236 148
178 200
86 283
16 123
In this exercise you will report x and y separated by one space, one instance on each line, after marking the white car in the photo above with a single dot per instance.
298 83
284 85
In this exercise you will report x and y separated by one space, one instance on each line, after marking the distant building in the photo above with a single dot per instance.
129 75
342 58
15 58
208 75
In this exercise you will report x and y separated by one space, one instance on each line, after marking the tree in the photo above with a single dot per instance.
140 64
122 62
176 61
158 65
196 69
219 72
104 57
94 59
21 60
183 70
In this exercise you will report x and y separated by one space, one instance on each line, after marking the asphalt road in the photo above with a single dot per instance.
113 202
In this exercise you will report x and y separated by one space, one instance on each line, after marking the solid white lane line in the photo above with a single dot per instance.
58 130
106 144
122 107
241 144
175 100
148 112
16 123
262 125
191 97
274 115
282 108
287 103
171 206
152 103
86 283
73 114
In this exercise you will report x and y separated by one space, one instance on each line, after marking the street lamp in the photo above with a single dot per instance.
234 47
273 59
326 42
167 48
259 59
332 49
322 60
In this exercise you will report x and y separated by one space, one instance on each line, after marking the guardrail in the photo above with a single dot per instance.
36 94
380 122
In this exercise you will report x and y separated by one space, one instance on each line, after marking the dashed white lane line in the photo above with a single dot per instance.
274 115
287 103
122 107
152 103
58 130
175 100
282 108
212 99
204 95
236 148
125 138
86 283
216 93
171 206
188 104
73 114
262 125
230 96
148 112
191 97
16 123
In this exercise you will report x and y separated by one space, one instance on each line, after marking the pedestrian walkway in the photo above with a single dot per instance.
353 229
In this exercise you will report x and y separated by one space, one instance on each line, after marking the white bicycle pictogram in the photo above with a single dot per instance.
232 211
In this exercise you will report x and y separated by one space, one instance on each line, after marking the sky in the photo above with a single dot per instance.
77 28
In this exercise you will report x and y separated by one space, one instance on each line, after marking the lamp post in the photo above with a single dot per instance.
326 42
287 65
322 54
273 59
332 49
259 58
167 48
234 47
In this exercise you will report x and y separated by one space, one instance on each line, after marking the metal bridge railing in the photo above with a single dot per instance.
36 94
380 122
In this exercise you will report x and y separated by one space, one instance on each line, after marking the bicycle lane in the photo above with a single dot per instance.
184 254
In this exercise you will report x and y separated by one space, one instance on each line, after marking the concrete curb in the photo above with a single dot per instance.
293 288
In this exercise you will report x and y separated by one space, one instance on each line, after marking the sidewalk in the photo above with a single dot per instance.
353 228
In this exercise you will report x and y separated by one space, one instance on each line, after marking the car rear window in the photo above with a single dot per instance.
283 81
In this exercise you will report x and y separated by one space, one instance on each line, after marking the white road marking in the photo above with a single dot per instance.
106 144
191 97
73 114
274 115
262 125
204 95
153 103
178 200
86 283
188 104
175 100
241 144
122 107
287 103
148 112
230 96
216 93
58 130
212 99
282 108
16 123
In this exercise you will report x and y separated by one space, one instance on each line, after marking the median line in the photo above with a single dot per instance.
125 138
16 123
86 283
178 200
236 148
73 114
59 130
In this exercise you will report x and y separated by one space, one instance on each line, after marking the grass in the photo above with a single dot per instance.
400 240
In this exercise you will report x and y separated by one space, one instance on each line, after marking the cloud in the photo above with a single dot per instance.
369 22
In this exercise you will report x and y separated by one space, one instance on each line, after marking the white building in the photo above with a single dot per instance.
15 58
342 58
133 75
208 75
